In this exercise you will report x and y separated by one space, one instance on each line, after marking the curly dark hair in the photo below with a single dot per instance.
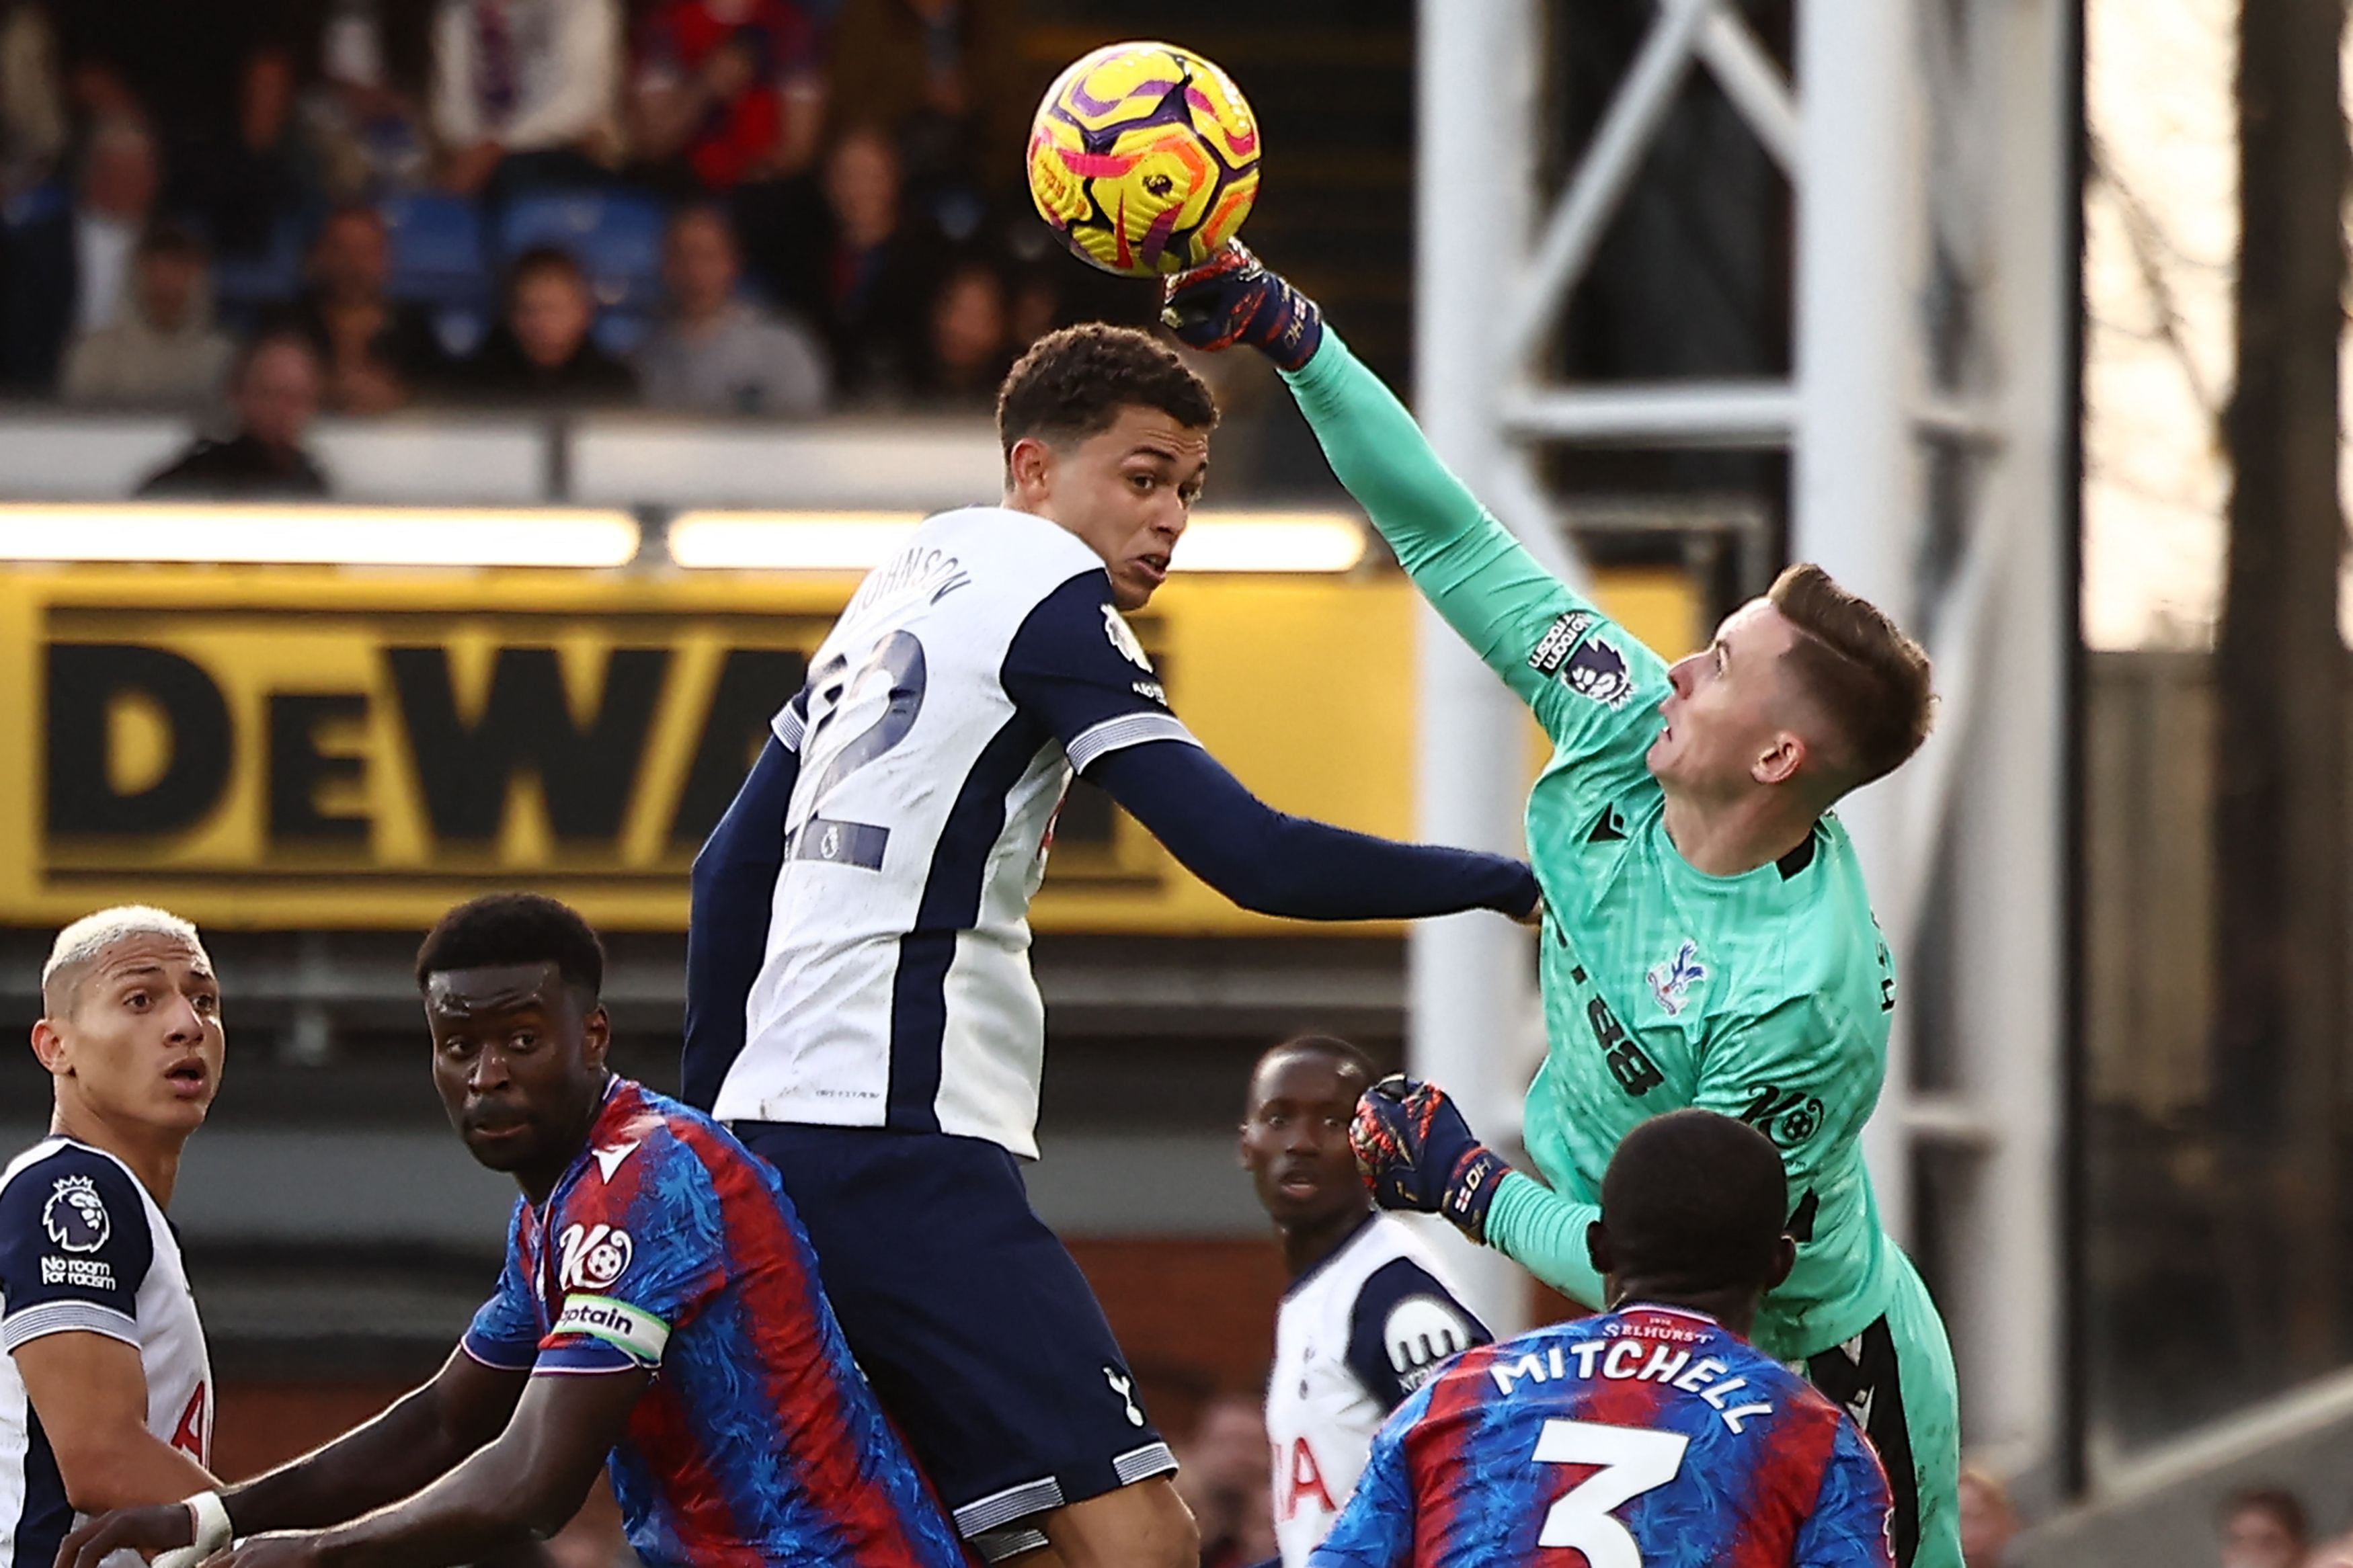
1072 383
500 929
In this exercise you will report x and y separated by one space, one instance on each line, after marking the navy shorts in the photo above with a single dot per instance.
970 1320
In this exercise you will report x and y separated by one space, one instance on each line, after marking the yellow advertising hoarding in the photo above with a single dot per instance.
295 747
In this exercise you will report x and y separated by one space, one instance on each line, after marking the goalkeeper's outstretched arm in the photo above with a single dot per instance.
1522 621
1543 1233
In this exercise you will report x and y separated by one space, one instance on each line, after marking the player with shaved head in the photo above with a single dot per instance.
106 1391
1654 1432
1369 1315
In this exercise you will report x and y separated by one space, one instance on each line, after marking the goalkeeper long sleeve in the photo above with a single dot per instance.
1483 580
1543 1233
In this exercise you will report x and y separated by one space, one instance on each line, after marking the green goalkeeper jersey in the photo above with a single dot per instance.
1764 995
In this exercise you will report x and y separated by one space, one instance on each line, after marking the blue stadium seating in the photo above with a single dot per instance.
244 287
437 252
619 332
614 235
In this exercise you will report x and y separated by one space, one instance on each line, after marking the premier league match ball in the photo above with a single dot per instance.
1144 158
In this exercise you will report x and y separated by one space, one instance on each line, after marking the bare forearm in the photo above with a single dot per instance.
404 1449
487 1507
131 1472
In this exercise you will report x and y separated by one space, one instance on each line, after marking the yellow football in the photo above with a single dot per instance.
1144 158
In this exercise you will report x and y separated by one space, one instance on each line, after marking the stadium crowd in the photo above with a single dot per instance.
761 207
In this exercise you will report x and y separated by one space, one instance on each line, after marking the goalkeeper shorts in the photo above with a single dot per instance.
1896 1379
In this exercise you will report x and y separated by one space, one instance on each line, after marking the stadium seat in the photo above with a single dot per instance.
618 332
244 287
437 252
616 237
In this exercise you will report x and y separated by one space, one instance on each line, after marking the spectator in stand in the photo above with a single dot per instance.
948 79
1226 1480
1989 1521
214 80
363 117
715 353
866 280
274 390
727 92
163 349
377 352
32 101
68 265
120 179
2263 1527
971 345
525 92
542 351
247 185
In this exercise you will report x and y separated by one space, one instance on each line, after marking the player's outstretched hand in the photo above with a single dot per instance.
1235 298
1417 1153
146 1531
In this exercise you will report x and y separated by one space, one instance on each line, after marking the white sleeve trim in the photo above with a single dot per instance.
66 1317
789 728
1128 730
464 1344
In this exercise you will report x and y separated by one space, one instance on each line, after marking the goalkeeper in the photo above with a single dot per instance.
1707 942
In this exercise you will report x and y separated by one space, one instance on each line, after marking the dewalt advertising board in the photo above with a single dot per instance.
288 748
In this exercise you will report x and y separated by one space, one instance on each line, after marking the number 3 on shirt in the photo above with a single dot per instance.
1632 1460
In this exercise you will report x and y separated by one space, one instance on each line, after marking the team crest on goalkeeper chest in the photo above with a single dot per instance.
1671 979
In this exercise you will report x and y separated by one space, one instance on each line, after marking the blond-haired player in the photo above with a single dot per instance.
106 1392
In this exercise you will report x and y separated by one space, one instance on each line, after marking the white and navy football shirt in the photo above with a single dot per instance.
83 1249
942 720
1356 1335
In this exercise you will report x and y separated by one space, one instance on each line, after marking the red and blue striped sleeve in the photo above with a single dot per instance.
641 1246
504 1333
1376 1529
1848 1526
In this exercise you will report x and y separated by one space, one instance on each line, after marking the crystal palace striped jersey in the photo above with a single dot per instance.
1647 1438
669 1244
